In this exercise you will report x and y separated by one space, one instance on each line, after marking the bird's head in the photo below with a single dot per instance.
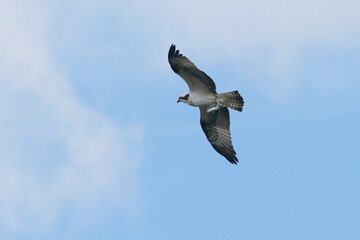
183 98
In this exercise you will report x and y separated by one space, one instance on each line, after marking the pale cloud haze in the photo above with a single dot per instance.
273 35
94 146
54 150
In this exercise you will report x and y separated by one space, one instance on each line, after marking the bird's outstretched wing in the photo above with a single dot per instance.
196 79
216 126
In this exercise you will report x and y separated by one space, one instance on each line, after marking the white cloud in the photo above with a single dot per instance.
270 34
249 24
54 151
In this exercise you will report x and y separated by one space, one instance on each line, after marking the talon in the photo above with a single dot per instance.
216 107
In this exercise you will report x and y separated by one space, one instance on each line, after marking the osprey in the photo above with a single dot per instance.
214 113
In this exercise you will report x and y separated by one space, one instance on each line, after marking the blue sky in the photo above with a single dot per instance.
94 146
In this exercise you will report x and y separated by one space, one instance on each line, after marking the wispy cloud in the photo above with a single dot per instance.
272 35
54 151
242 25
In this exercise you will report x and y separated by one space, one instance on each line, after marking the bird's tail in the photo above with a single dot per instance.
232 100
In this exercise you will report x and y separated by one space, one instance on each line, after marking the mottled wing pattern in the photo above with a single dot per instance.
216 126
196 79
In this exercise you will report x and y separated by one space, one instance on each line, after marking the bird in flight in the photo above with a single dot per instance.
214 113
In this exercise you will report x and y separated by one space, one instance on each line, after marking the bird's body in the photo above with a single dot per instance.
214 114
196 99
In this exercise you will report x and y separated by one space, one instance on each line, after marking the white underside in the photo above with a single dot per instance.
196 99
203 100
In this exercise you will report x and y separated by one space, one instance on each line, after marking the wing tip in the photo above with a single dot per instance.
173 52
233 160
230 154
227 152
231 157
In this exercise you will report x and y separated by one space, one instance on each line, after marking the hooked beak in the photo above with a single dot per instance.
178 100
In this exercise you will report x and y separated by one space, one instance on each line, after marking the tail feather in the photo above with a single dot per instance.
232 100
